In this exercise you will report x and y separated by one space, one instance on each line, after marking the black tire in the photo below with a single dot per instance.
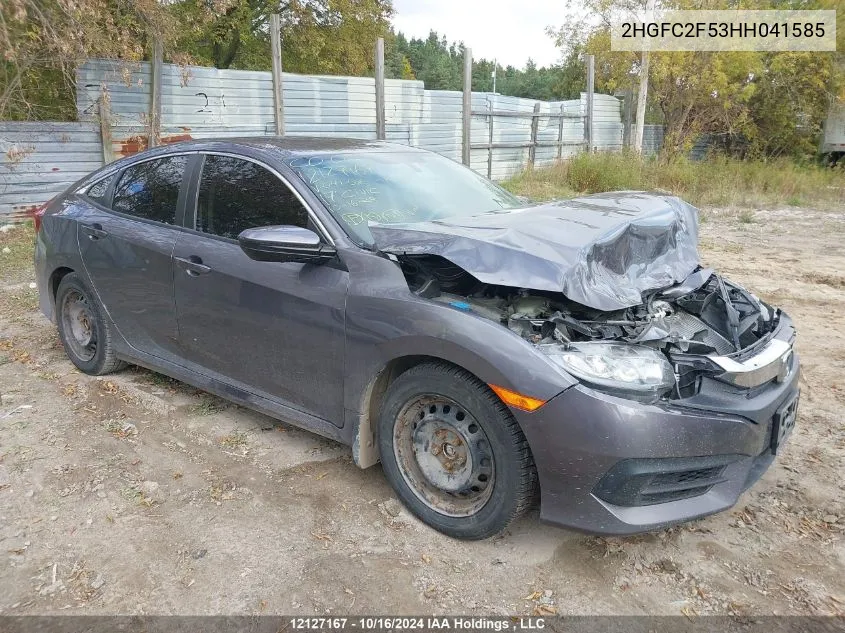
79 315
411 403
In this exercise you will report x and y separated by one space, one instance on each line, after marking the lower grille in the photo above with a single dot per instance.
687 476
652 498
642 482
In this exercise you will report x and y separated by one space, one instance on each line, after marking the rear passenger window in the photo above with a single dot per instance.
150 190
236 194
97 191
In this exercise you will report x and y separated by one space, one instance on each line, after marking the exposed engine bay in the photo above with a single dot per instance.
701 317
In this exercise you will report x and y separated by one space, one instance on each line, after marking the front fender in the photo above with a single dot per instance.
382 330
386 322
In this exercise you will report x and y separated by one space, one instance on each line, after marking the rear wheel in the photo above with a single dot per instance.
85 334
454 453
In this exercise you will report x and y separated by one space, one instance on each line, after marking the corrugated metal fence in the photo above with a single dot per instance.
652 139
41 159
653 142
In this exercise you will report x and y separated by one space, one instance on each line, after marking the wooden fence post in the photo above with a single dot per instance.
627 116
467 107
490 139
381 133
560 133
535 125
278 92
154 138
588 119
104 111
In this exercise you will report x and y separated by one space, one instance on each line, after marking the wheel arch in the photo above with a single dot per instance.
365 450
54 280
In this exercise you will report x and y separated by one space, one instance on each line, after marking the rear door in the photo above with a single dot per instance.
274 328
126 239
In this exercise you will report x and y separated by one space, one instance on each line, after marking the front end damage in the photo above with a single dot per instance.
687 382
607 286
704 327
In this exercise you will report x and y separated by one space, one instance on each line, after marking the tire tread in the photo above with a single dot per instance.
110 362
527 489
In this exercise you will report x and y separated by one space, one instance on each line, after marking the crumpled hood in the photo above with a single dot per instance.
603 251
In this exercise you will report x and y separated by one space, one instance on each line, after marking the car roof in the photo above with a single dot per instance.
297 145
284 147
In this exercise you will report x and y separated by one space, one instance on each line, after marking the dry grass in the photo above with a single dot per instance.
20 242
208 405
834 281
17 245
235 439
715 181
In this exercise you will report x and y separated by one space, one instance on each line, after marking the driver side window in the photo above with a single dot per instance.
236 194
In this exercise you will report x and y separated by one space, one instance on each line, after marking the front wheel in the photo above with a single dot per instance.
453 452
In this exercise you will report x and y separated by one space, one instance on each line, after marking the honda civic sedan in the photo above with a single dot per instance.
489 352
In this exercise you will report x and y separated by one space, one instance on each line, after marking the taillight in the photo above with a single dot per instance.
37 215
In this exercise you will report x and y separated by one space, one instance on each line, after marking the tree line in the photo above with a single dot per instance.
44 41
440 65
755 104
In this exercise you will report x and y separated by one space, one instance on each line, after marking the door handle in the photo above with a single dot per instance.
193 265
94 231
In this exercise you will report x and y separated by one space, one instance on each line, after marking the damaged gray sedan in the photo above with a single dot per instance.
488 352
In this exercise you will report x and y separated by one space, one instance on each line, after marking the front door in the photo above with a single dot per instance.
127 253
277 329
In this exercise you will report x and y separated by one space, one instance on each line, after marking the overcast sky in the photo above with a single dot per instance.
509 30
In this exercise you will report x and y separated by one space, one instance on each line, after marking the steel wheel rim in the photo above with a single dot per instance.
79 326
444 455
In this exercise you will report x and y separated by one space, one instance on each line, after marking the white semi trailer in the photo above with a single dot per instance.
833 140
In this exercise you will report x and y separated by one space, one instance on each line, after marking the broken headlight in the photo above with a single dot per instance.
639 371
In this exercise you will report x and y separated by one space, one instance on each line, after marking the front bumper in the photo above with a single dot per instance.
615 466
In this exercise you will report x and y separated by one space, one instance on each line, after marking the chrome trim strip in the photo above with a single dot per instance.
108 173
773 362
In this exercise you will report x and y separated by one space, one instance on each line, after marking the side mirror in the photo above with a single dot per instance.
285 244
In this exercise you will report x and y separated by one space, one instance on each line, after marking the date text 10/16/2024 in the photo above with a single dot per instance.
434 623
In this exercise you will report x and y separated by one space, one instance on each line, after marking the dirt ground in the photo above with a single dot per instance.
136 494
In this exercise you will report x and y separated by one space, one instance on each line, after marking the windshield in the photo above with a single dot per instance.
396 187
